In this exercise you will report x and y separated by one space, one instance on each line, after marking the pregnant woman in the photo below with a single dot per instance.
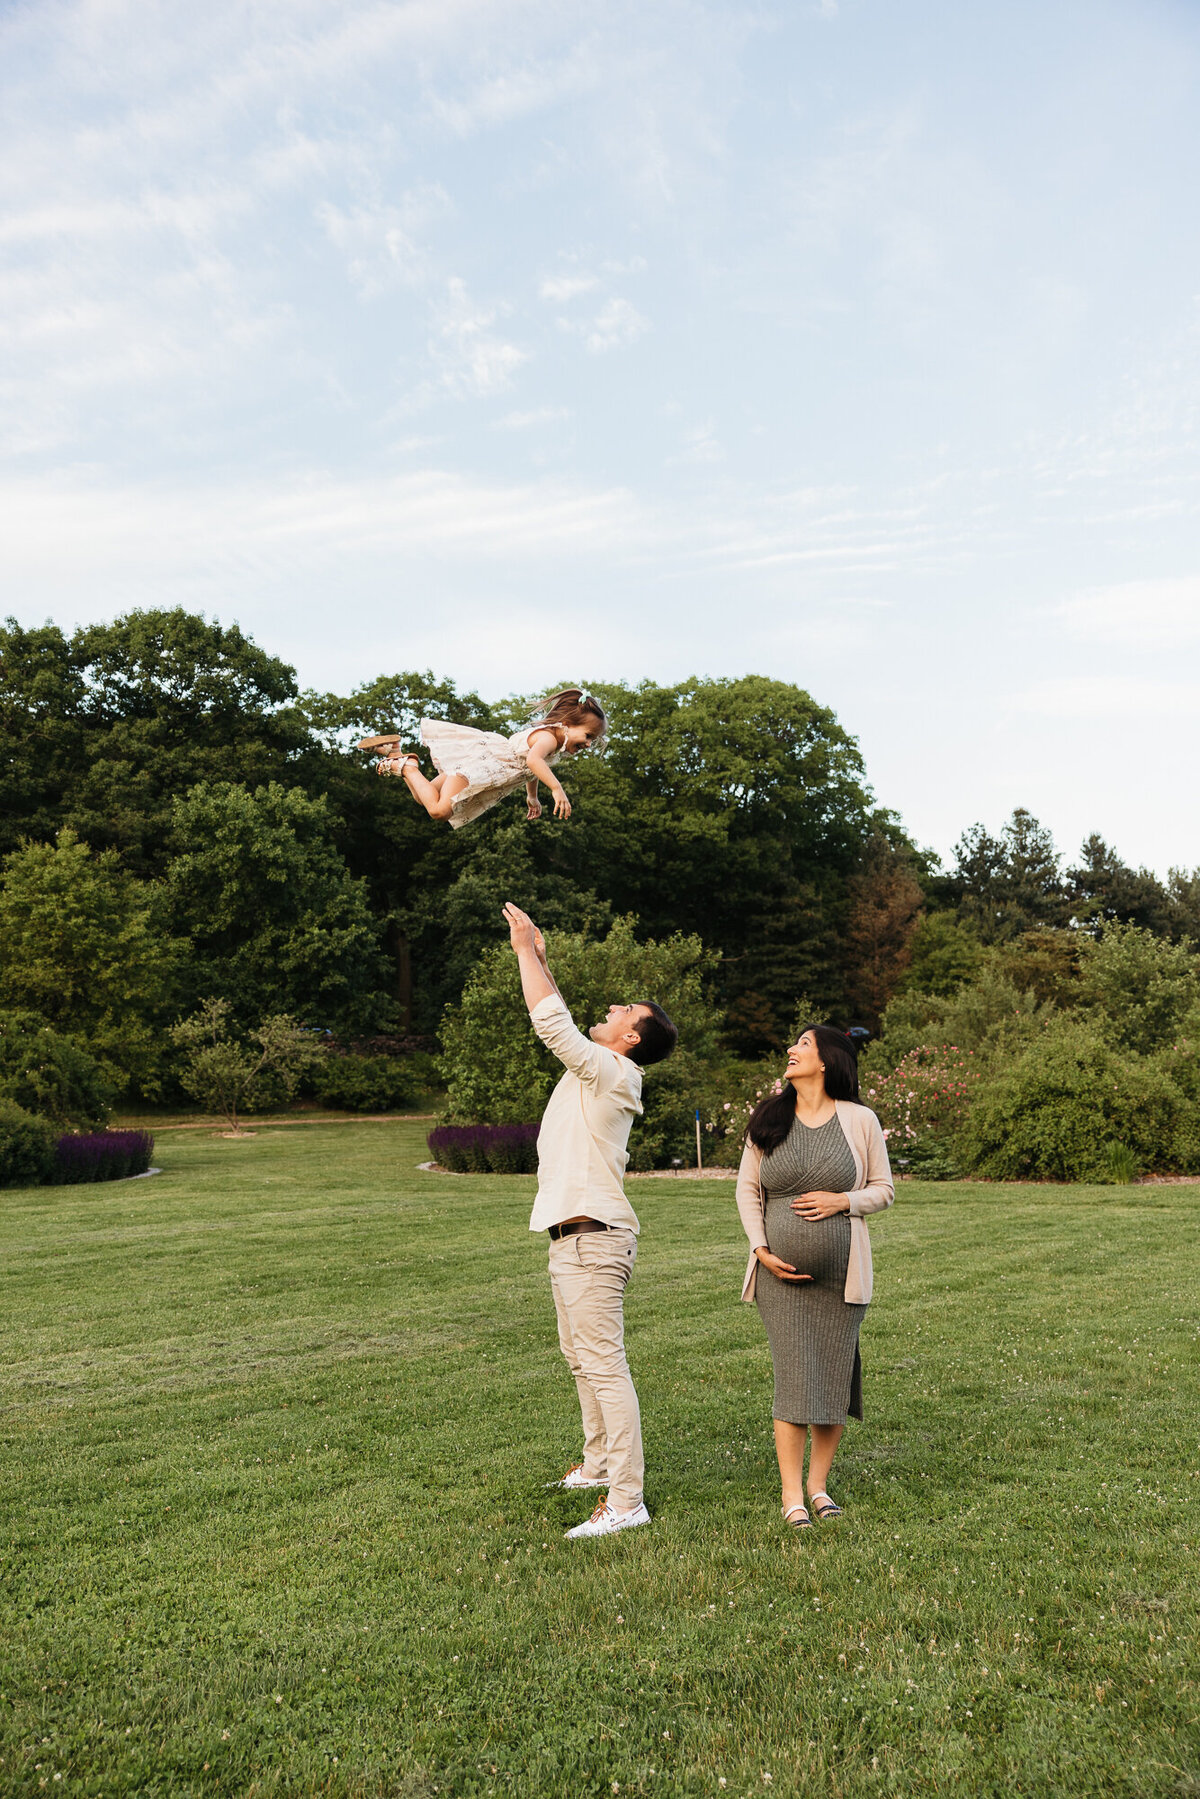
814 1165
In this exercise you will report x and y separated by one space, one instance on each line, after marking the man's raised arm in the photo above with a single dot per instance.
537 983
553 1024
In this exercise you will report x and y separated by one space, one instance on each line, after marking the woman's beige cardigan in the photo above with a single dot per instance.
872 1192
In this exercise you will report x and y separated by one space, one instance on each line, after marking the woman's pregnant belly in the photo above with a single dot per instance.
818 1247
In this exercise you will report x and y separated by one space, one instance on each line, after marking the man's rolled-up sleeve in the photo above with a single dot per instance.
562 1036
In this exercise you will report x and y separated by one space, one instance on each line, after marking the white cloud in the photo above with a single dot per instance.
527 421
561 288
618 322
138 540
474 363
379 241
701 445
1151 615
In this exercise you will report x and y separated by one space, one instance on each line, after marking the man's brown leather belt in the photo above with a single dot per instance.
573 1229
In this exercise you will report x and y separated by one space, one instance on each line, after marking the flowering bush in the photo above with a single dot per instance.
923 1102
725 1107
100 1156
485 1148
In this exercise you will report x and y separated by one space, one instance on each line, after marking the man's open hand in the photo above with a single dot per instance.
523 934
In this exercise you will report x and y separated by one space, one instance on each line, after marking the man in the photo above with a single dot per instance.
592 1227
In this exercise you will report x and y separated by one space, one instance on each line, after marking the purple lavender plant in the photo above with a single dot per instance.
100 1156
485 1148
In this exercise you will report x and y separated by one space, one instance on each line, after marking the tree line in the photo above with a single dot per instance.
179 822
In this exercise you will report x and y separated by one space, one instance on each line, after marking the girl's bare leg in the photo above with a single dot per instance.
825 1439
436 796
789 1447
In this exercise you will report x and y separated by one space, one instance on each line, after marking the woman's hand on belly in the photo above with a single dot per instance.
784 1270
820 1205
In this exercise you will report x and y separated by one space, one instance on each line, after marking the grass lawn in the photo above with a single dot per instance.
276 1425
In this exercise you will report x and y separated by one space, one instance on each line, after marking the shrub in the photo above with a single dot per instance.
1180 1063
26 1146
1143 987
726 1097
364 1083
227 1071
922 1104
100 1156
485 1148
991 1012
1053 1112
50 1074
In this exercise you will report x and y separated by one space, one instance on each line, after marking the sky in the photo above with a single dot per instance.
852 342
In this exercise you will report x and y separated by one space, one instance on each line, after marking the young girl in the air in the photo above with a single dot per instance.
478 768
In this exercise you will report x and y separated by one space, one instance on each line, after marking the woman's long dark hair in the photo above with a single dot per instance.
772 1119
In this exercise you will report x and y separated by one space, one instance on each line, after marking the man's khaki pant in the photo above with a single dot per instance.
588 1275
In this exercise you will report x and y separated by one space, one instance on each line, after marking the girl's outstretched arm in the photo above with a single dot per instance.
541 745
533 805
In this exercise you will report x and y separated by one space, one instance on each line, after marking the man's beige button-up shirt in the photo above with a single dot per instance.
583 1142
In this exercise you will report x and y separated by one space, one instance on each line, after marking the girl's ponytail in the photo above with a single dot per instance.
572 707
557 703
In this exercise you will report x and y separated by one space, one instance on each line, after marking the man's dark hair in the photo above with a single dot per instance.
657 1036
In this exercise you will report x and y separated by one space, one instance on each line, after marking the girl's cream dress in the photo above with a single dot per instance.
495 766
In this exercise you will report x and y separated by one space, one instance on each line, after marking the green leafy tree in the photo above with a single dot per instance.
1011 883
733 809
274 920
84 945
394 703
230 1071
946 954
121 719
51 1075
455 926
1183 885
1105 891
1139 986
1045 962
498 1071
408 864
41 705
882 913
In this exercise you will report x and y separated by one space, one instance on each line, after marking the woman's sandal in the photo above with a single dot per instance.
828 1510
803 1522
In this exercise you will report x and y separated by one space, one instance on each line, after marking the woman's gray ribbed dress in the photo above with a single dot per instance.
812 1331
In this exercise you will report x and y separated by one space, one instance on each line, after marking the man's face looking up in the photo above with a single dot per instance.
619 1031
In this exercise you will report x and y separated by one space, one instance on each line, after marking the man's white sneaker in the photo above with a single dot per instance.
604 1521
575 1478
